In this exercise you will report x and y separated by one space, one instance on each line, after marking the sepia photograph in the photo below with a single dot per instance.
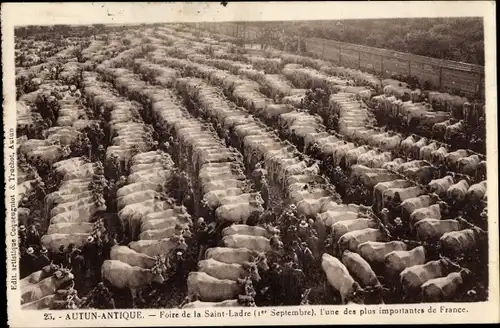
250 164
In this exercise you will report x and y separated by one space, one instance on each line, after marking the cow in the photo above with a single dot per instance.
393 165
160 232
331 217
311 207
255 243
462 241
53 241
342 227
397 261
440 186
340 279
123 275
166 222
468 165
458 191
239 212
131 257
138 197
212 198
452 158
408 206
379 160
43 303
225 271
204 287
360 269
380 189
237 255
412 278
47 286
159 247
429 230
439 156
401 194
434 211
453 130
243 229
426 151
422 174
69 228
480 173
39 275
417 146
406 145
439 129
412 164
444 289
351 240
476 192
202 305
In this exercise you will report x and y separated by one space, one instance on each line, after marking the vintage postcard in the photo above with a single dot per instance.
233 163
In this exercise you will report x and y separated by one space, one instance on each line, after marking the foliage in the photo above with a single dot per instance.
458 39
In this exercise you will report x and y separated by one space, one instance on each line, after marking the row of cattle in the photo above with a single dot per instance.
73 201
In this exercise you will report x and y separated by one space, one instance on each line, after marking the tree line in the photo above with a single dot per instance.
458 39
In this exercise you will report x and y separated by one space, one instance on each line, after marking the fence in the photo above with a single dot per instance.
443 75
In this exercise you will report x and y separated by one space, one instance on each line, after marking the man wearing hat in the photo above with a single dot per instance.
60 256
29 261
264 191
22 236
103 298
43 259
90 254
33 237
201 237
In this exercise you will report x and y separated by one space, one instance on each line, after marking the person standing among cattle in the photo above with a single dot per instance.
23 241
59 257
33 237
264 191
102 297
44 259
29 262
91 255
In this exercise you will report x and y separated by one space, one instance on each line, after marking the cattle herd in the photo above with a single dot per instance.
169 167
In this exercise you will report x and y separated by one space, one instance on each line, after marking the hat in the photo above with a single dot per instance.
201 220
90 239
179 253
43 250
30 250
303 224
398 221
22 228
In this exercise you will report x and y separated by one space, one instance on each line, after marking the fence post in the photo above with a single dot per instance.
323 50
340 56
382 70
359 59
409 68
